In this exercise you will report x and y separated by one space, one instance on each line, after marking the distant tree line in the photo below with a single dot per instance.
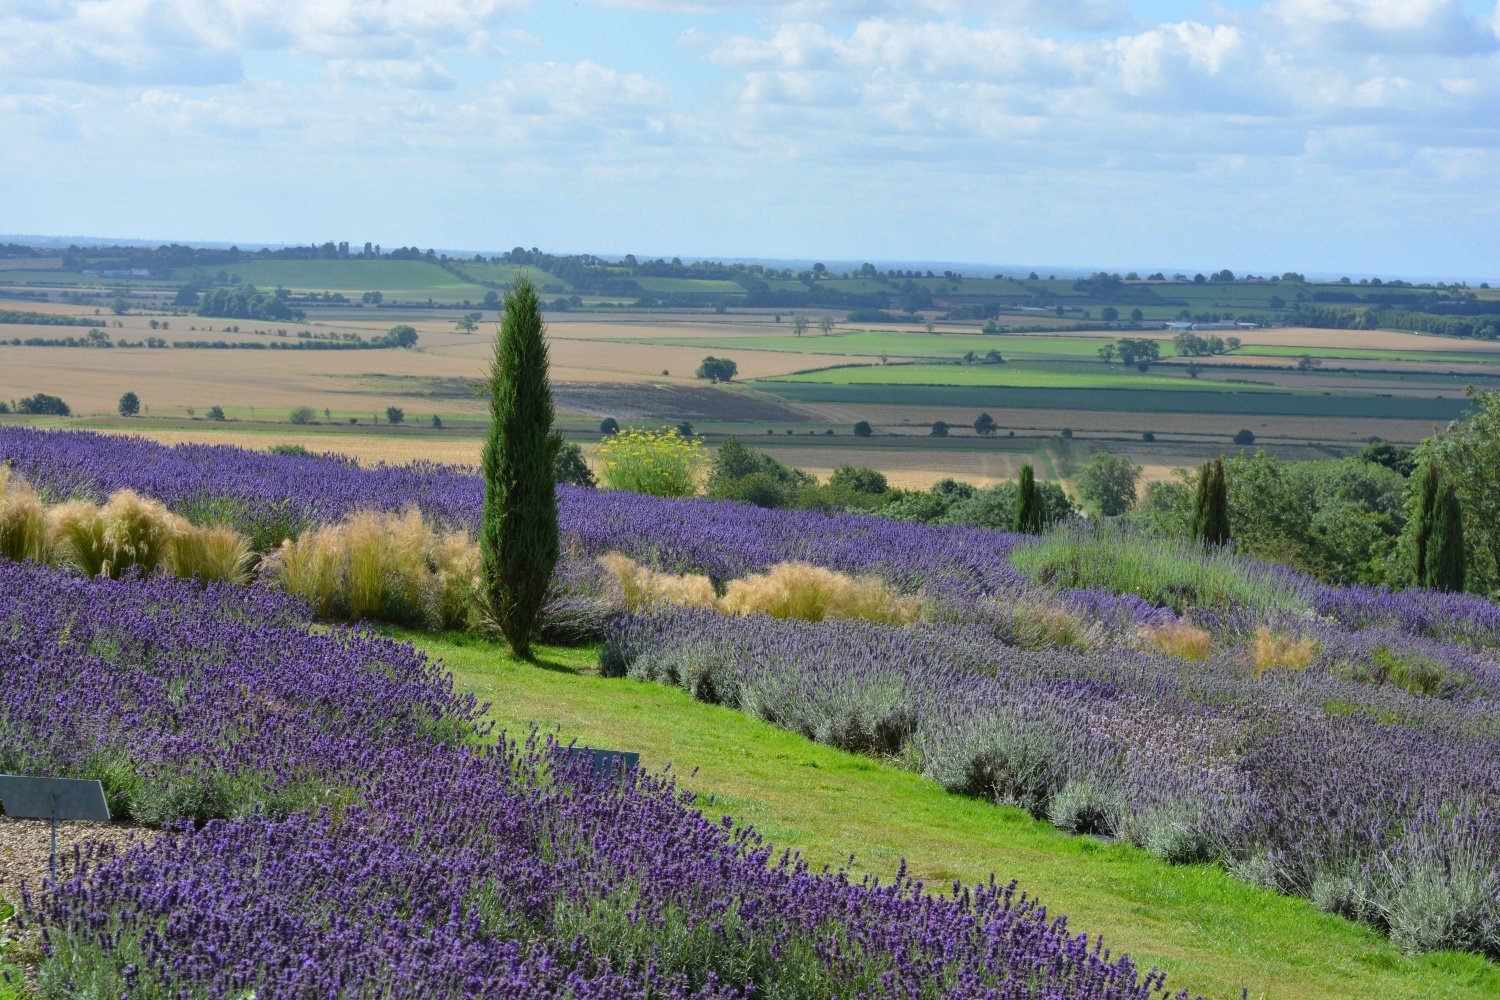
19 316
247 302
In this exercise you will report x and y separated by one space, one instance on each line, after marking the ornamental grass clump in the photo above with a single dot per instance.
76 532
393 567
385 566
643 587
811 593
311 566
1279 650
138 532
1181 639
23 520
216 553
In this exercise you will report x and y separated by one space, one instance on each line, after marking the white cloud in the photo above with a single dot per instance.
1397 26
185 116
583 103
405 74
1080 14
202 41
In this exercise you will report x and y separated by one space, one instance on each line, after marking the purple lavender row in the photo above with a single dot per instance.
273 496
1379 803
380 850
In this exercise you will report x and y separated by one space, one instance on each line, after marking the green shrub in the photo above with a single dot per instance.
661 463
569 466
1169 573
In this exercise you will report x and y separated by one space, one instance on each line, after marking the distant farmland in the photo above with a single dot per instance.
403 280
1125 400
1094 376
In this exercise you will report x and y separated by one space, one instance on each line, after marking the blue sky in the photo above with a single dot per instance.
1329 136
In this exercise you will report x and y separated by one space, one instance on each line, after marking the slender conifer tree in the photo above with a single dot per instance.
1029 517
1216 523
1426 516
1200 503
1445 550
518 535
1211 505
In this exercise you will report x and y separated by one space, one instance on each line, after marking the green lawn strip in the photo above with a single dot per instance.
1026 375
1208 931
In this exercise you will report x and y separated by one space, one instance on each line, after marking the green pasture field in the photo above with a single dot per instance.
1124 400
1369 354
1096 376
874 343
504 274
1210 933
396 279
703 286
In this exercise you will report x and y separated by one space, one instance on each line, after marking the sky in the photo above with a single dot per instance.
1351 137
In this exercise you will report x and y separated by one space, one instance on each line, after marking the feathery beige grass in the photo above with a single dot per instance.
76 532
211 554
394 567
786 590
643 587
138 531
1270 650
311 566
1182 639
812 593
23 519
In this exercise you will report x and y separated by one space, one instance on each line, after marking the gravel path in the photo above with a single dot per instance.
24 849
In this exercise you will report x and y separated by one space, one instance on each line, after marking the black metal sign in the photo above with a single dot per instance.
603 765
53 799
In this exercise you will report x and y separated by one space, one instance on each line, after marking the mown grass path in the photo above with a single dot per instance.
1210 933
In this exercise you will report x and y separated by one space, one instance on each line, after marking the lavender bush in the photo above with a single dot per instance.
1362 774
355 838
1376 801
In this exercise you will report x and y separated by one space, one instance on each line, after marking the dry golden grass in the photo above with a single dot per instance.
1181 639
1270 651
381 565
311 566
75 532
213 553
134 531
23 519
787 590
138 531
811 593
643 587
1044 625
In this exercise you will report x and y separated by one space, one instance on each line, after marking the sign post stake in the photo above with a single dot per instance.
53 799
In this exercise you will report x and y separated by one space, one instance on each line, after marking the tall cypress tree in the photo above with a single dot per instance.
1216 519
1426 516
1200 504
1028 505
518 536
1445 551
